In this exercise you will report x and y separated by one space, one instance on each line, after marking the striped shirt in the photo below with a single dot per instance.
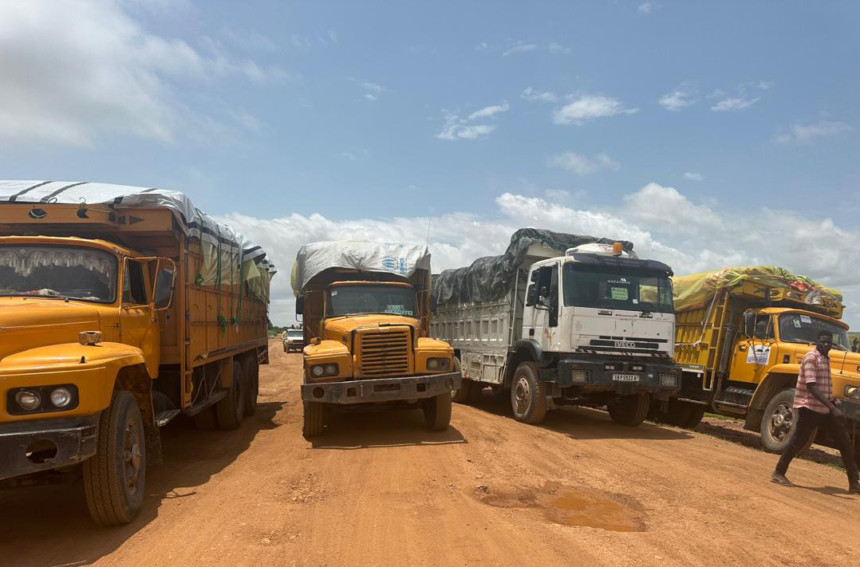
815 369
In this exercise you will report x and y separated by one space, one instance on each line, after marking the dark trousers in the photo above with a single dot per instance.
807 422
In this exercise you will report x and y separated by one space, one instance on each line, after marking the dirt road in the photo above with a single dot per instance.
379 490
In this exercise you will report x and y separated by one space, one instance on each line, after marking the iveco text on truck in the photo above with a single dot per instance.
365 309
561 319
120 308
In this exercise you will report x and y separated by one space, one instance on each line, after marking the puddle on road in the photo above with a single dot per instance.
575 506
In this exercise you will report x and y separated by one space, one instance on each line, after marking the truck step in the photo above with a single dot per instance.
164 417
735 396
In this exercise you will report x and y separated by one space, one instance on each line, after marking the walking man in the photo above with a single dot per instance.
814 407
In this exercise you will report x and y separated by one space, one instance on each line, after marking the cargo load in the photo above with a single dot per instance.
489 278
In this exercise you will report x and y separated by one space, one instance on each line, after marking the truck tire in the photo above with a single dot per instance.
630 410
476 391
114 478
437 412
314 419
693 416
462 394
251 373
778 423
231 409
528 395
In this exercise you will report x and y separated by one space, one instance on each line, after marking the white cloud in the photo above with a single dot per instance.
489 111
457 128
370 97
583 165
694 176
558 48
584 108
520 47
646 8
103 75
661 222
743 99
732 104
801 134
678 99
373 87
531 94
483 46
655 204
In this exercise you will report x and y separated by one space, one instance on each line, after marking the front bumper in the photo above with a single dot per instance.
33 446
381 390
623 380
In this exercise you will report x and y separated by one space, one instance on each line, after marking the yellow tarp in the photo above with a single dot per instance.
697 290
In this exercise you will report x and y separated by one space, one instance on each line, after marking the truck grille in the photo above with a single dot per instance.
384 353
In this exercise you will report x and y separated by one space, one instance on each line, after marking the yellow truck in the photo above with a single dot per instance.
365 309
740 337
120 308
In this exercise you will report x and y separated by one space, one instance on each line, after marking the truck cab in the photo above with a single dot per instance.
366 340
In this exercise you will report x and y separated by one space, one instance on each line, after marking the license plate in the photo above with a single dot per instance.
625 377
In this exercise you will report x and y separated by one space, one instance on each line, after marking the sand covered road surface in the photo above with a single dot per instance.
380 490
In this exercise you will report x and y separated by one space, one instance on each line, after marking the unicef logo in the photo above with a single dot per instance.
395 264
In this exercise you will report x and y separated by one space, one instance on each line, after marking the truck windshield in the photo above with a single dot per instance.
800 328
295 334
58 271
633 290
355 300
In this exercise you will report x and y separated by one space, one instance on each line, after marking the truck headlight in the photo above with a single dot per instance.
321 370
28 400
579 376
438 364
61 397
668 380
852 392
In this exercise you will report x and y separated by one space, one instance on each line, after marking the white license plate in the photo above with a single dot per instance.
625 377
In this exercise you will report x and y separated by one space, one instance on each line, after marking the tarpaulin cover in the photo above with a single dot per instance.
698 290
490 278
238 258
401 259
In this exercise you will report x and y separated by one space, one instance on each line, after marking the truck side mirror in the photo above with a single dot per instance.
165 279
300 304
531 295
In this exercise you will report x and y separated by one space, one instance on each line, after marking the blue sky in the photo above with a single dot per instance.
710 134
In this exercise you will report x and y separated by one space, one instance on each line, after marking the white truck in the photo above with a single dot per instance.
561 319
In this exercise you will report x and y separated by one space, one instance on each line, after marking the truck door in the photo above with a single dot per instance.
540 316
138 322
754 351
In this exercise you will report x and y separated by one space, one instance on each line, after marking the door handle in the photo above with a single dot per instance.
742 347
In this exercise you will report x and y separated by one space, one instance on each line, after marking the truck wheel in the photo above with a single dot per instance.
115 476
630 410
693 416
437 412
251 372
231 409
314 419
778 421
462 394
528 395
